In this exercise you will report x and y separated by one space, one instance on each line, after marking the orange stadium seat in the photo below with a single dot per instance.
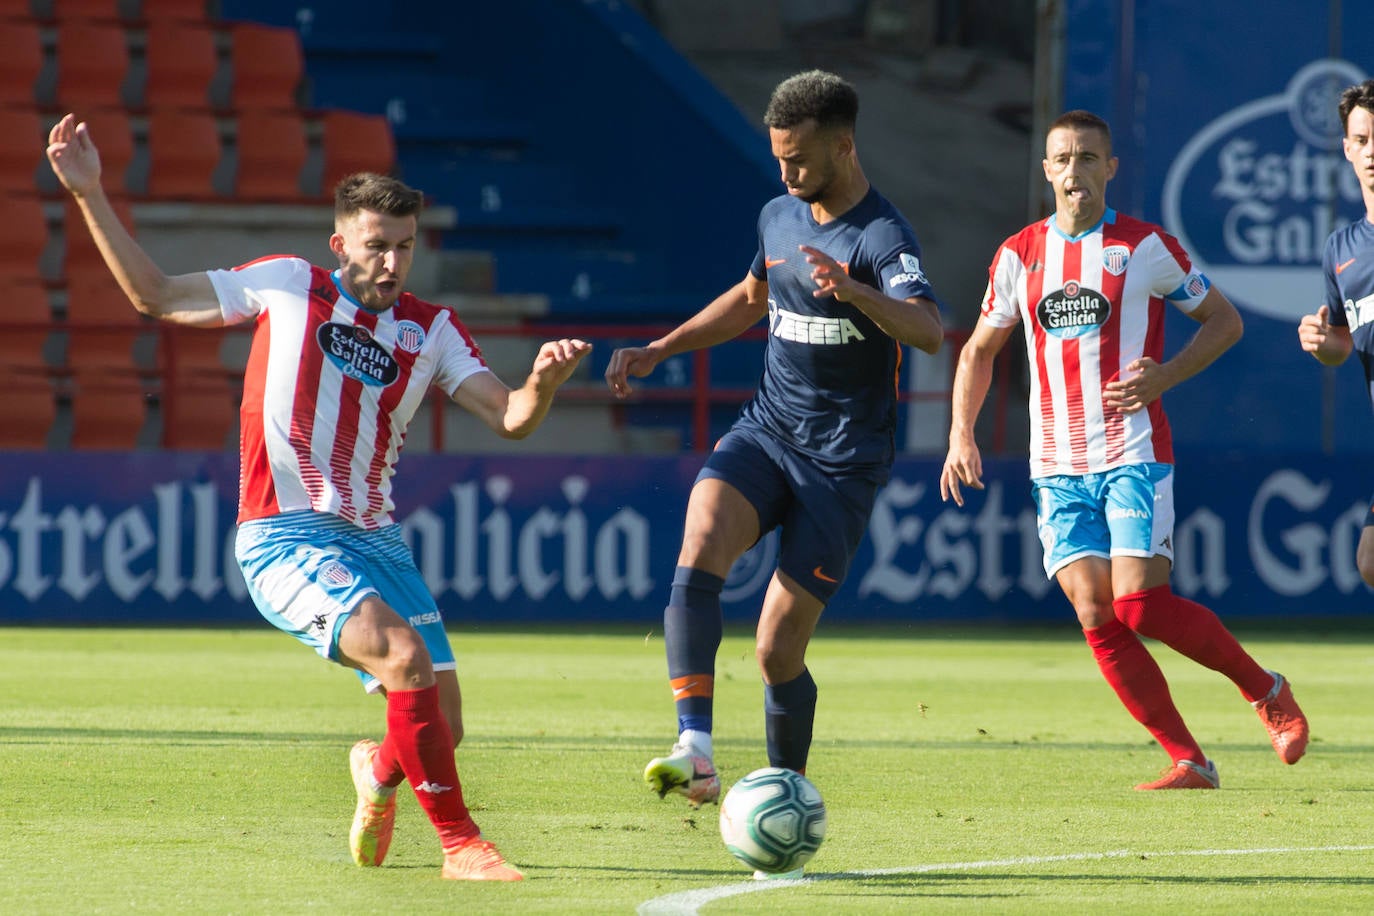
23 237
22 61
271 154
266 66
113 134
106 10
26 305
181 62
179 10
102 327
108 410
183 152
22 139
354 142
92 63
27 411
199 415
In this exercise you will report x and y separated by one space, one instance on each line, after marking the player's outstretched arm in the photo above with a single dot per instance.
972 379
515 414
186 299
728 316
1329 344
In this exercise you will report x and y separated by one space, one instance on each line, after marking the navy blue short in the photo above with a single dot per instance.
822 515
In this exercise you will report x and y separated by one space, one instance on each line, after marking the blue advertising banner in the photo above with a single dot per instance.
1234 146
148 538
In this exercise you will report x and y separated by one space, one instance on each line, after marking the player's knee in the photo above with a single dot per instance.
407 663
456 726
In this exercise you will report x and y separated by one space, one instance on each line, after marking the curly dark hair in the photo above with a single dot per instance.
377 194
1357 96
1078 119
815 94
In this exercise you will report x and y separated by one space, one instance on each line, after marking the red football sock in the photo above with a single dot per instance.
419 743
1135 676
1193 631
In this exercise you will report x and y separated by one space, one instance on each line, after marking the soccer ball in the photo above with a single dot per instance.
773 820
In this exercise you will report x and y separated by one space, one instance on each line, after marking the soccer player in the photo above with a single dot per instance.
1090 285
1346 320
339 363
839 276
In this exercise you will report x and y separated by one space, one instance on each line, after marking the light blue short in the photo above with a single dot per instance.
307 571
1124 512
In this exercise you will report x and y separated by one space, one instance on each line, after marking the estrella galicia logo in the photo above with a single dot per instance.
357 354
1253 195
1072 311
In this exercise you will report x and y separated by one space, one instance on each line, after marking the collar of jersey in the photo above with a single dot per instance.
1109 216
336 276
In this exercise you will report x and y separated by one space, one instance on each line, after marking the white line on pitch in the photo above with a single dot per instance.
688 903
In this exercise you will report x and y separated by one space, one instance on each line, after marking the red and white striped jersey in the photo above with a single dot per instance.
330 388
1091 305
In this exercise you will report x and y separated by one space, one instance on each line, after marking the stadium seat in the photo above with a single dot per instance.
22 139
266 66
354 142
103 329
108 410
183 153
113 133
176 10
79 254
271 154
100 10
26 307
22 61
92 63
23 237
181 62
200 414
27 411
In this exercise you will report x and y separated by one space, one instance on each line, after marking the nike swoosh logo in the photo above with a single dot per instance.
769 263
681 691
822 576
1341 267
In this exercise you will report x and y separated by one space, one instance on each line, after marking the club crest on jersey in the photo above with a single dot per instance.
409 336
357 354
1072 311
335 573
1115 259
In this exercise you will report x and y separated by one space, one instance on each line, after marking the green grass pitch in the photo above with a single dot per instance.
163 771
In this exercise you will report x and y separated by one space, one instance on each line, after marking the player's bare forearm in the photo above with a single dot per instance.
726 317
915 322
1221 329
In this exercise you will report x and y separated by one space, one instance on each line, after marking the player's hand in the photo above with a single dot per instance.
628 361
830 276
1136 387
73 156
963 465
1314 329
557 359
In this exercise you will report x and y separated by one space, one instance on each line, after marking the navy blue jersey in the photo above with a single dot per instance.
1348 263
829 385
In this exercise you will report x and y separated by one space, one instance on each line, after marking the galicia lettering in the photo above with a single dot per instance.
357 354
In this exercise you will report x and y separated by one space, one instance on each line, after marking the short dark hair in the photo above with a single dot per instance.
377 194
1078 119
815 94
1357 96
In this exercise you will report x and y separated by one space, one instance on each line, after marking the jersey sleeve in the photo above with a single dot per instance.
1172 275
244 292
457 357
897 261
1002 299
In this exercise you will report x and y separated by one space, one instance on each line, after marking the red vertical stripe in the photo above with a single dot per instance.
1154 348
1073 370
1110 356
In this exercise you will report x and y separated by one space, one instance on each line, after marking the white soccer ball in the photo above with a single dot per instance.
773 820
